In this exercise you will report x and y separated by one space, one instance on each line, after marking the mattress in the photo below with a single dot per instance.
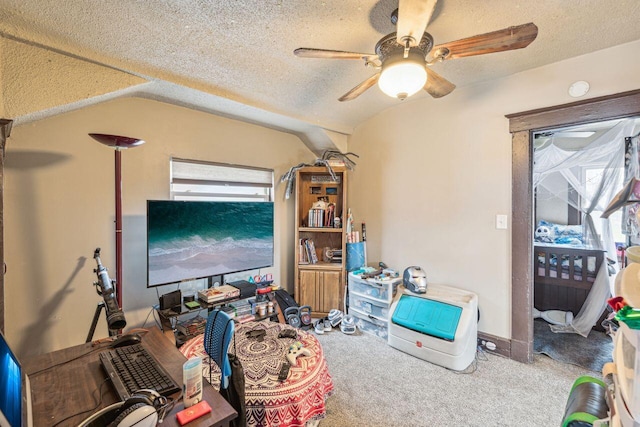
427 316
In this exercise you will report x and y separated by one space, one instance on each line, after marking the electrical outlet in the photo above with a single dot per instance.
501 222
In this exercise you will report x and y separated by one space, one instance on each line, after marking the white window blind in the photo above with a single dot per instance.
198 180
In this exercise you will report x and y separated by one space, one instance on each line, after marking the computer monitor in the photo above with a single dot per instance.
15 391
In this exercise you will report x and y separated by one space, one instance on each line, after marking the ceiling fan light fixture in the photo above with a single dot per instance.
402 78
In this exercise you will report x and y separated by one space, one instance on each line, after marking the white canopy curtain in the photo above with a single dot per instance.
607 154
630 223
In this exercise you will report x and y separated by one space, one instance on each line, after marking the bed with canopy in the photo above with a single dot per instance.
574 265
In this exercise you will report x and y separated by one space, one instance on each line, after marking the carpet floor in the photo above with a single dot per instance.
590 353
379 386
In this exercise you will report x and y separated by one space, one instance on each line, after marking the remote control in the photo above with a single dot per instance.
284 371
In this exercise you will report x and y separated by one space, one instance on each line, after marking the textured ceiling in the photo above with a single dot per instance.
241 51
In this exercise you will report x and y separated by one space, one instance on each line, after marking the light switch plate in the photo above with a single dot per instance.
501 222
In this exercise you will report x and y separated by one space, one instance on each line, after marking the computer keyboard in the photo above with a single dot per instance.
132 368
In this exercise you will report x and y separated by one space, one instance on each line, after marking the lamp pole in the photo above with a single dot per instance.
119 143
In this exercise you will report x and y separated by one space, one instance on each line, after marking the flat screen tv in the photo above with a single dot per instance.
189 240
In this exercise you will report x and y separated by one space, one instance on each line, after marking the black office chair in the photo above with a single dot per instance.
217 337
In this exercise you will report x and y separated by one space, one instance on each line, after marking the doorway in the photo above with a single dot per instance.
522 127
577 172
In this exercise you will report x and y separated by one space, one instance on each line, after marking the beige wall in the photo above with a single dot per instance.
59 206
434 173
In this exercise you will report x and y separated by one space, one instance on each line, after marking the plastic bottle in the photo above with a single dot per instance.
192 381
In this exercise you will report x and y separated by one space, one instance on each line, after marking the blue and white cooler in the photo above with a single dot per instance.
439 326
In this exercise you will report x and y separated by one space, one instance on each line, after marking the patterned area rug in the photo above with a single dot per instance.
590 353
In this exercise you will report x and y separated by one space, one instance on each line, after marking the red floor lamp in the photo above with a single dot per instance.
119 143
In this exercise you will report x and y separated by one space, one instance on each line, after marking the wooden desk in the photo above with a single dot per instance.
74 386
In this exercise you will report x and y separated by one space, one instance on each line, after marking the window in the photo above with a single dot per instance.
198 180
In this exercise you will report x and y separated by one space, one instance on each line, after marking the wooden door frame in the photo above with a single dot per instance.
5 131
522 126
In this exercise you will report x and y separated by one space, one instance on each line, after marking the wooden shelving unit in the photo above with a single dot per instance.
320 284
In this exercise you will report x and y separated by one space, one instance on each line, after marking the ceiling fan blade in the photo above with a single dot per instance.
359 90
437 86
413 17
497 41
305 52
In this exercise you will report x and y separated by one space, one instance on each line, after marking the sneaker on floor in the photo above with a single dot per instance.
335 317
319 327
348 325
327 325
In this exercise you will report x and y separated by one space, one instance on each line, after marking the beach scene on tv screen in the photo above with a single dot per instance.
189 240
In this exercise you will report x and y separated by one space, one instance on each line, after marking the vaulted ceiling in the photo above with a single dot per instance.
235 57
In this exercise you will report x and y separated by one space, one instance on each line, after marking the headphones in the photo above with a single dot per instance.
298 316
145 408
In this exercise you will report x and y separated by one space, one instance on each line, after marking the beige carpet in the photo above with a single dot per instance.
378 386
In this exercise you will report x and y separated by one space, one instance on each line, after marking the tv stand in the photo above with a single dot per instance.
169 317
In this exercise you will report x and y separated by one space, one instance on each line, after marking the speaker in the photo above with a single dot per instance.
171 300
145 408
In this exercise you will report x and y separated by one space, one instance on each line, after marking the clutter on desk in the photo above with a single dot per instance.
219 293
192 327
241 308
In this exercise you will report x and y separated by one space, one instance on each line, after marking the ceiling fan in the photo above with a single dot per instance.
402 58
